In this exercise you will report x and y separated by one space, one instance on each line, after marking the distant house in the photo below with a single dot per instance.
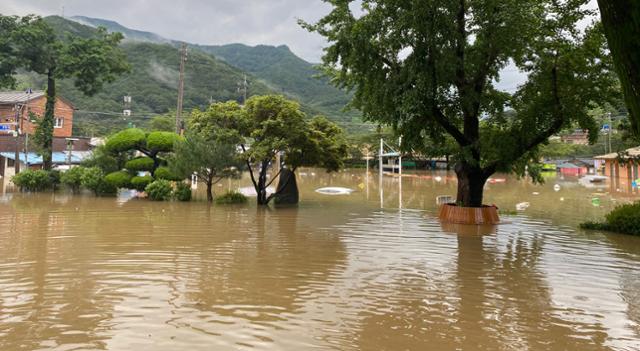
617 166
60 160
578 137
15 107
572 169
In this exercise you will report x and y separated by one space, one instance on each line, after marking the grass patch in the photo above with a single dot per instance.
623 219
232 197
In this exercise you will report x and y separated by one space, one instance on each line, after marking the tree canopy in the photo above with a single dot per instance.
154 145
213 159
429 68
270 125
33 46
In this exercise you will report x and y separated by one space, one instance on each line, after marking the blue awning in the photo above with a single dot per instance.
57 157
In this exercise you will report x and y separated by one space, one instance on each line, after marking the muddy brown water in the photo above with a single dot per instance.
368 271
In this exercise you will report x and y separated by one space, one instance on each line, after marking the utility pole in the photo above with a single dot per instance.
17 150
610 131
183 60
24 132
243 87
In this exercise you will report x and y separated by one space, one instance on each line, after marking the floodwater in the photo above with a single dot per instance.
368 271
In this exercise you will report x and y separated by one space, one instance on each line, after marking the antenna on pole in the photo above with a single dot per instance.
243 88
183 60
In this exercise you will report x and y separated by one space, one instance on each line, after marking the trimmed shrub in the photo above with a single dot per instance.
623 219
231 197
93 179
30 180
182 192
161 141
140 183
72 178
159 190
120 179
165 173
125 140
140 164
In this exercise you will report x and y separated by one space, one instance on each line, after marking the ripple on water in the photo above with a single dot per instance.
131 276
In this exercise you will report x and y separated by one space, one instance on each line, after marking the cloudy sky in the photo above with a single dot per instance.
250 22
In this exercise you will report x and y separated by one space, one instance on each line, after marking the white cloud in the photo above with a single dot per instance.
251 22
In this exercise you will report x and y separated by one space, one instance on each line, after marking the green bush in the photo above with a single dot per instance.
140 183
140 164
159 190
54 178
231 197
623 219
93 179
165 173
29 180
120 179
182 192
125 140
161 141
72 178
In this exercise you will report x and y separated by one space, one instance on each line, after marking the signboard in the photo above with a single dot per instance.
605 127
6 127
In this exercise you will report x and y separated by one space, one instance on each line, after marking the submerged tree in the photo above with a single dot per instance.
429 69
90 62
621 21
213 159
269 125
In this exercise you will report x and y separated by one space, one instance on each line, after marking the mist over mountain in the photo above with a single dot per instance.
269 69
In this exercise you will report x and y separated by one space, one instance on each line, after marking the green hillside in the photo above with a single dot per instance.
129 34
152 84
276 67
282 70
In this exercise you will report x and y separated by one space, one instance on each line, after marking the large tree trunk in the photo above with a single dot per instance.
621 21
210 190
471 180
263 200
287 193
48 122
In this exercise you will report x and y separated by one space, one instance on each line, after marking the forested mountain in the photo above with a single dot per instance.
129 34
282 70
277 67
152 84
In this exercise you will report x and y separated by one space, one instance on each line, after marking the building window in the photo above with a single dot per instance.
59 122
11 163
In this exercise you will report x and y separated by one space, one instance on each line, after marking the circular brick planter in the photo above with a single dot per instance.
450 213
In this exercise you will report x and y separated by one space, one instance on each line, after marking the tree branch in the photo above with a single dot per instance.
274 177
253 179
558 120
461 79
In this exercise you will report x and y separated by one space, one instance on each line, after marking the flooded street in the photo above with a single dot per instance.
373 270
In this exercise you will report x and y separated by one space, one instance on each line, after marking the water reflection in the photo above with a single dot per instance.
336 272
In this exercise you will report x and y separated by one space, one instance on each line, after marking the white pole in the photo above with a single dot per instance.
400 160
380 174
380 158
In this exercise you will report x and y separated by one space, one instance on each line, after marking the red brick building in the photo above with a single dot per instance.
16 105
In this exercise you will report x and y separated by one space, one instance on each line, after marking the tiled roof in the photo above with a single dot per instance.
633 152
15 97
